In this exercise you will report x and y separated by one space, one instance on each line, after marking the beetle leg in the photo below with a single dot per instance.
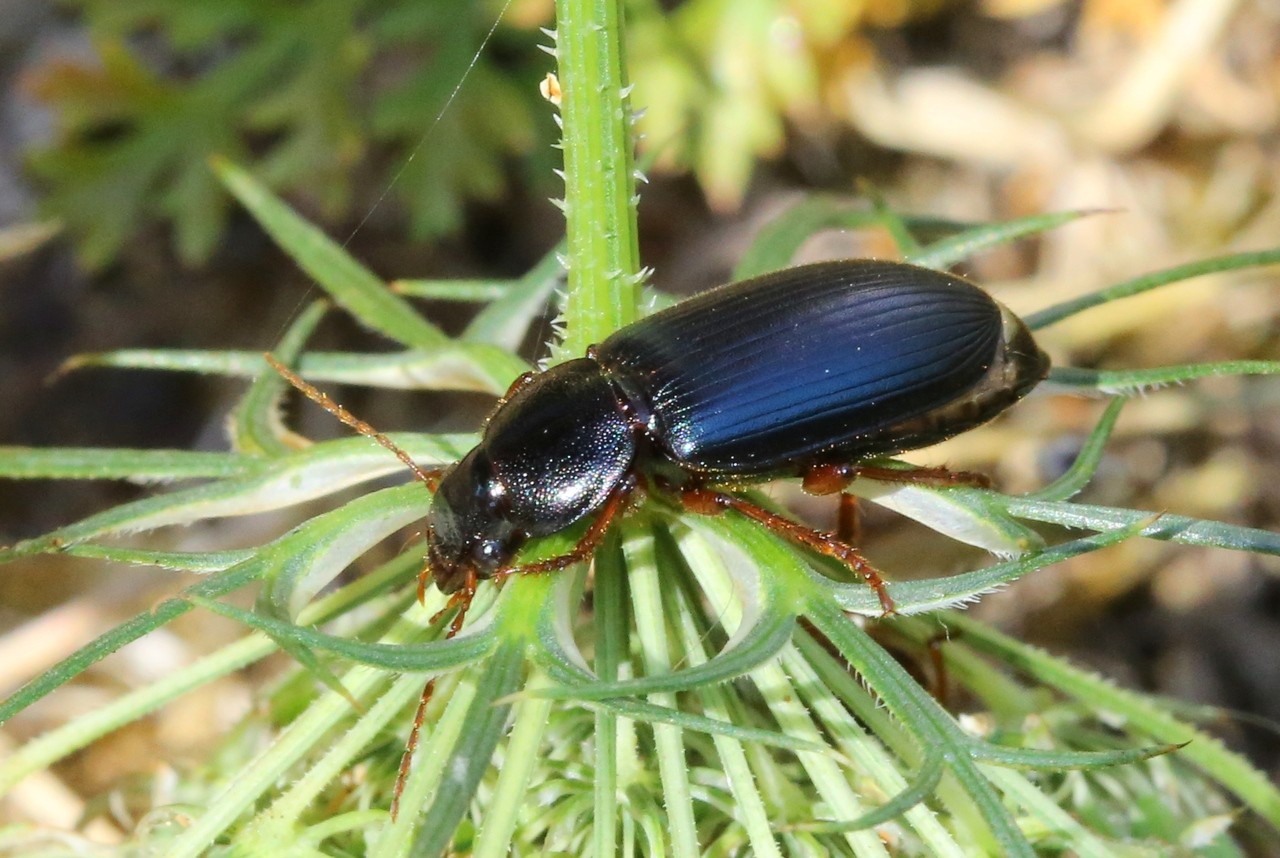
848 519
461 600
613 507
709 502
430 477
936 477
828 479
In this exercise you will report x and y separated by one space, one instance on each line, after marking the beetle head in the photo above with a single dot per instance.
470 535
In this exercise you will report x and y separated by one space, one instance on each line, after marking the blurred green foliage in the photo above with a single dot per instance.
304 91
333 101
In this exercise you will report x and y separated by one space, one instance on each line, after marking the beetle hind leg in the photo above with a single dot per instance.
828 479
710 502
935 477
849 520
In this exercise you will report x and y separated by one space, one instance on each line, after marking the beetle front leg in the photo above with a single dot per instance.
709 502
613 507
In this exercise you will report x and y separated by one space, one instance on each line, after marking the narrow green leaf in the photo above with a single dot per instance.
503 323
1037 758
1125 382
760 644
777 243
218 584
1147 282
466 291
300 653
348 282
933 728
1174 528
179 561
1231 770
921 787
1087 460
456 366
42 751
399 658
963 515
324 531
650 603
293 744
316 471
954 248
92 463
610 623
472 753
255 421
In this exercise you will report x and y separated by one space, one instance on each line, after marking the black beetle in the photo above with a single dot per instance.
804 372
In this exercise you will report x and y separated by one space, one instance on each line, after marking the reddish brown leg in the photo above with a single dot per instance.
461 600
430 477
709 502
829 479
590 541
849 520
937 477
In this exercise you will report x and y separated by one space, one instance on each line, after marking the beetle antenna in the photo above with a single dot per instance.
411 746
430 478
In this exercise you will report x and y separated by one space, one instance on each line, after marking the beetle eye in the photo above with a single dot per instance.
488 553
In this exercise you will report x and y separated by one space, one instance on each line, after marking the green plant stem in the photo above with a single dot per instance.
611 634
599 201
514 781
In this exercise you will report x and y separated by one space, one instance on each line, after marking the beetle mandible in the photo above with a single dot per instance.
805 372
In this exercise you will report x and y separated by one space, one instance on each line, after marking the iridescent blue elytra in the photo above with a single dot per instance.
811 366
835 360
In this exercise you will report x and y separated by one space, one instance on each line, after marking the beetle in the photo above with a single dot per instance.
806 372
